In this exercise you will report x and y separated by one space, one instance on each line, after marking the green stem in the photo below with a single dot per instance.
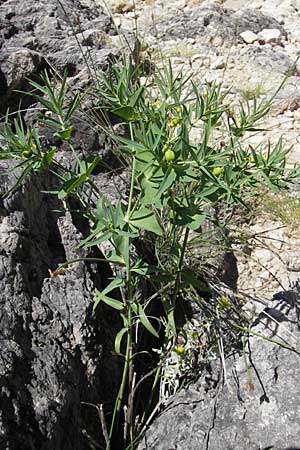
118 402
74 153
180 264
131 187
128 303
166 340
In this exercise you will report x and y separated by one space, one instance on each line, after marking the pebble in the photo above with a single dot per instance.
219 63
249 37
269 35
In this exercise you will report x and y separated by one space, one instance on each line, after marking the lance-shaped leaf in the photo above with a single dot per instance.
101 296
139 311
145 219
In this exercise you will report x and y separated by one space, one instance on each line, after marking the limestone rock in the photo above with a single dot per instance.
270 35
255 407
249 37
270 59
46 36
211 20
54 353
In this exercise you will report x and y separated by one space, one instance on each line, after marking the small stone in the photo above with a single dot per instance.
249 37
286 122
293 263
201 60
117 22
218 63
177 60
217 41
269 35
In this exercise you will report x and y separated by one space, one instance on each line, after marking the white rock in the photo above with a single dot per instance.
249 37
270 35
177 60
201 60
286 122
219 63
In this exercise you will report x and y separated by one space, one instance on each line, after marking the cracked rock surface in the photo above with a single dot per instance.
56 359
252 405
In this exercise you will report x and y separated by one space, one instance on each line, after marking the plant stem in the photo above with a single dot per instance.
128 308
180 264
166 340
74 153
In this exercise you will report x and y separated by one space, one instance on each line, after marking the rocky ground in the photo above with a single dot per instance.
249 48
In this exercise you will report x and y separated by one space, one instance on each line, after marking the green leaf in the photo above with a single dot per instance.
73 106
113 257
87 165
144 269
126 112
196 221
118 339
48 157
169 310
117 282
65 133
122 246
189 277
71 185
101 296
136 96
91 243
145 219
133 145
150 190
169 178
139 311
113 303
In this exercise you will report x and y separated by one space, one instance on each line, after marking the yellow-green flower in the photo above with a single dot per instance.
218 171
169 155
179 349
174 122
27 153
156 104
223 302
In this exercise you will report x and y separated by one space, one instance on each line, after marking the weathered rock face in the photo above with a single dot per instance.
212 20
55 355
36 34
254 407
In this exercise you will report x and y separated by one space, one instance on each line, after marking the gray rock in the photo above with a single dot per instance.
219 63
254 407
54 353
49 35
270 59
212 20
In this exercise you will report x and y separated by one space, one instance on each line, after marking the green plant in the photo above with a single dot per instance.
182 49
252 92
285 207
173 189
